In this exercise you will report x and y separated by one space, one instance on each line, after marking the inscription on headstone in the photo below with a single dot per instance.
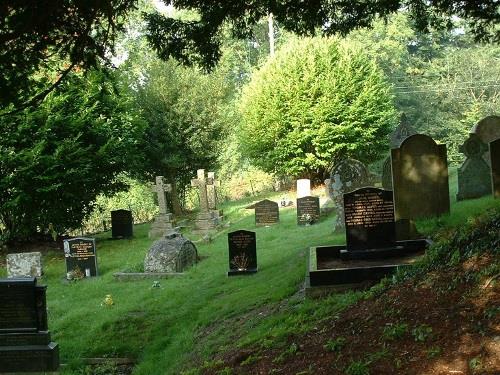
242 252
266 212
308 210
369 219
495 167
122 224
80 254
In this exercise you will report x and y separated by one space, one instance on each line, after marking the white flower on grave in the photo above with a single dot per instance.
108 301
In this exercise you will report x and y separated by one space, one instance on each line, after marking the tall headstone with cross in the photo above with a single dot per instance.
212 195
205 218
474 178
163 221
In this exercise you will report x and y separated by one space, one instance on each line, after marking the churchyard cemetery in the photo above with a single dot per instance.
233 188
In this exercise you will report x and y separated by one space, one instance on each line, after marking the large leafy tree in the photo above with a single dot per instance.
55 159
317 101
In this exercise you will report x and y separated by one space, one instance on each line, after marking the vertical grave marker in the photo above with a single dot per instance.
308 211
266 212
81 259
122 224
495 167
242 252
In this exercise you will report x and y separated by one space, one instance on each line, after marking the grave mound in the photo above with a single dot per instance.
172 253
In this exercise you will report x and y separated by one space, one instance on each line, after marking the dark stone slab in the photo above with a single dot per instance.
495 167
122 224
266 212
81 256
18 305
369 219
242 252
420 178
30 358
308 211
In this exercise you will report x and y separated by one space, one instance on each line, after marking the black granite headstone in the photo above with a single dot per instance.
242 252
307 210
369 219
266 212
25 344
122 224
81 256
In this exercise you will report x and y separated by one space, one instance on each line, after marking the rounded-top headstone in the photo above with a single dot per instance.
488 129
349 174
172 253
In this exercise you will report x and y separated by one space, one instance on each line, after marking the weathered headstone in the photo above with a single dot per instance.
212 196
24 265
204 219
369 219
81 259
303 187
242 252
163 221
172 253
308 211
420 178
25 344
348 175
266 212
122 224
495 167
488 129
474 177
387 174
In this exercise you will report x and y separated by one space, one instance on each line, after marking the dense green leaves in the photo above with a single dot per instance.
317 101
56 159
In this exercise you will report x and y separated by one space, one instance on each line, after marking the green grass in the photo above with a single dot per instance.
190 317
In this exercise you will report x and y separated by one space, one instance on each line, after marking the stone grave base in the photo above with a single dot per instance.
328 272
29 358
249 271
161 225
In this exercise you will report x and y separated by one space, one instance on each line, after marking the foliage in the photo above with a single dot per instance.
199 39
358 368
394 331
43 41
421 332
317 101
56 159
335 345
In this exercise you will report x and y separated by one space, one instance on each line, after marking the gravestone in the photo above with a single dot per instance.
495 167
266 212
172 253
122 224
242 252
205 220
81 259
369 219
25 344
420 178
163 221
212 196
24 265
303 187
488 129
348 175
474 177
308 211
387 174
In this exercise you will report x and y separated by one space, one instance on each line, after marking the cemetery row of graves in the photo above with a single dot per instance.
378 220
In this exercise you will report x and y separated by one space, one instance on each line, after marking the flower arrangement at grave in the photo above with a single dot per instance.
108 301
307 218
240 262
75 274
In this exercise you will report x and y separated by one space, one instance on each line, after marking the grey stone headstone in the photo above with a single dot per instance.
173 253
163 222
488 129
474 178
420 178
24 265
495 166
387 174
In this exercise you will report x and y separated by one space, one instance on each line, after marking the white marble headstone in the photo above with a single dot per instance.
24 264
303 188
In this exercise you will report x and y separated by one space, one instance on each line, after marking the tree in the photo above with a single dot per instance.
56 159
317 101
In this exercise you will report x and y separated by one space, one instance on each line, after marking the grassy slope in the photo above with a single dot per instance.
190 317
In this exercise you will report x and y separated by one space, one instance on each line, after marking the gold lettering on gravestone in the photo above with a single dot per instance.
369 210
242 240
83 250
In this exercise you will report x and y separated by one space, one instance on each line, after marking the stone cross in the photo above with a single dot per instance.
160 188
212 191
201 182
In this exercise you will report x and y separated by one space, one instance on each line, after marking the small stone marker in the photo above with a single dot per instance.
266 212
474 177
308 211
387 174
24 265
81 259
495 167
163 221
488 129
25 344
303 187
122 224
420 178
205 219
369 219
172 253
242 252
